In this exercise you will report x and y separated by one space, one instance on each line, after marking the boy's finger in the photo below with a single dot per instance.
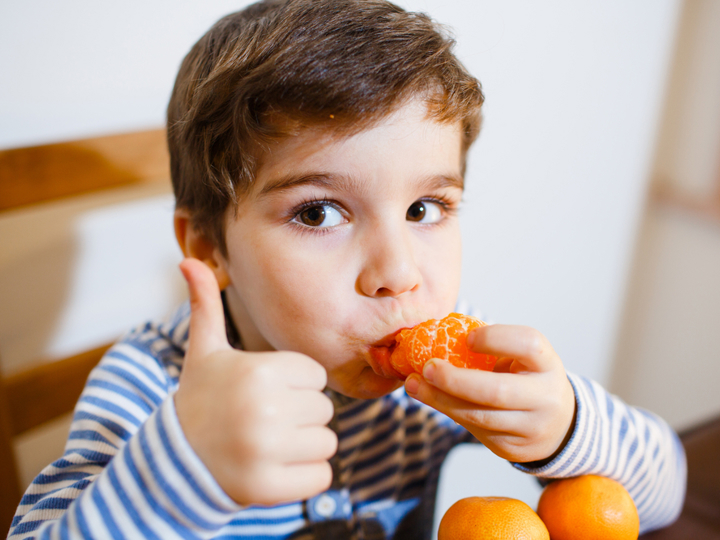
300 371
207 317
304 480
466 413
505 391
526 345
308 445
308 407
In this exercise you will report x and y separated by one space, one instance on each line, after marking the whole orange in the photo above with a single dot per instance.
491 518
588 507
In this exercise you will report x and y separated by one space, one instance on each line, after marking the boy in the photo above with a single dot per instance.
317 155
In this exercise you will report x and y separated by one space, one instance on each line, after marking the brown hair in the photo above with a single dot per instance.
262 73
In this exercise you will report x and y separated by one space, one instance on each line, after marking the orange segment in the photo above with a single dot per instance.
445 339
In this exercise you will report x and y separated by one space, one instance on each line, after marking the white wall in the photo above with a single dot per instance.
556 181
81 68
667 357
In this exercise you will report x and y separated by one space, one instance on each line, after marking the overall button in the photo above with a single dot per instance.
325 505
331 505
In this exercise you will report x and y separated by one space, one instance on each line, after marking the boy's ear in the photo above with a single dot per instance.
196 245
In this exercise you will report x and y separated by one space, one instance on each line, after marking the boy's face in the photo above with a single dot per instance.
343 241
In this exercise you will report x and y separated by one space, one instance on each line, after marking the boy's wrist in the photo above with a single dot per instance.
542 462
188 465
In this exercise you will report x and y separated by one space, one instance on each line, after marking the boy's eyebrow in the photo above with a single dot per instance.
445 180
290 181
328 180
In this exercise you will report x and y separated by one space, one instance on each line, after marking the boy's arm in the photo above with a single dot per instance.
127 470
242 428
529 409
627 444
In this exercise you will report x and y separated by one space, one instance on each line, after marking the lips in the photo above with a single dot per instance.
379 360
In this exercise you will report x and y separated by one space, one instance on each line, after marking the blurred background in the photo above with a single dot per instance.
592 210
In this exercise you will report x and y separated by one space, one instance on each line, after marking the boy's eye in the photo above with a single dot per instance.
320 215
425 212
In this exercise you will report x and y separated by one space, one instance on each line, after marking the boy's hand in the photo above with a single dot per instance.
523 410
256 420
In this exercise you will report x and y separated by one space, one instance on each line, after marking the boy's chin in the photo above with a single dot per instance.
368 385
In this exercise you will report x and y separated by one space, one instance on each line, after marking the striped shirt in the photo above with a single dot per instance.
128 471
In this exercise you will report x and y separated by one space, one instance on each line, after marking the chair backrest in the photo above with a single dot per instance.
40 174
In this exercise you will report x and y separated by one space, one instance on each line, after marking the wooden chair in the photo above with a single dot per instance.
33 175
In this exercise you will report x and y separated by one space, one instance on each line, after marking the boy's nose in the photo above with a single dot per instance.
390 266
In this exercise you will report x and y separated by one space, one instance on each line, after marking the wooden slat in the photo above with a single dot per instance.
42 173
10 485
42 393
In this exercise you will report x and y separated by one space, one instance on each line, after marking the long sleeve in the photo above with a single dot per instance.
627 444
127 470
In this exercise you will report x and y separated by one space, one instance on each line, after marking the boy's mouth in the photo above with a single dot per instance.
379 357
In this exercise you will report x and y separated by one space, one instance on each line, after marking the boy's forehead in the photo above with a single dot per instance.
350 183
406 143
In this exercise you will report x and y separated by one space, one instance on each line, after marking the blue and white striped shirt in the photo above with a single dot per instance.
128 471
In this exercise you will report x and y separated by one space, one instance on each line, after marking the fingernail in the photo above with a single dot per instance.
429 371
183 271
471 340
412 384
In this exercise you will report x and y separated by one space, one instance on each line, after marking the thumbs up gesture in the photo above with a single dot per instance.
257 420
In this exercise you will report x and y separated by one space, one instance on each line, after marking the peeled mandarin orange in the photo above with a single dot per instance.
588 507
491 518
444 339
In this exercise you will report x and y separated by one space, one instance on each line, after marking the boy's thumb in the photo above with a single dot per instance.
207 317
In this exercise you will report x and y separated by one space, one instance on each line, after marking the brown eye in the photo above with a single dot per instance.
320 216
426 212
416 211
313 216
